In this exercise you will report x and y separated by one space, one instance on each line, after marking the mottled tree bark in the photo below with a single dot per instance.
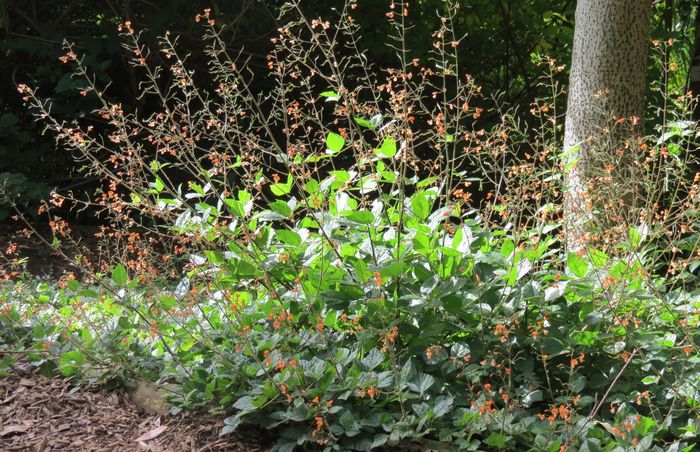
607 81
694 73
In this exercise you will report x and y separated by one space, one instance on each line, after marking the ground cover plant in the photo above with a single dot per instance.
353 261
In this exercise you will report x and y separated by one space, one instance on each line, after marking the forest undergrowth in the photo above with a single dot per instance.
358 259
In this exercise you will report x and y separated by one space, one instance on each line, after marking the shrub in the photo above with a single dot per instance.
312 260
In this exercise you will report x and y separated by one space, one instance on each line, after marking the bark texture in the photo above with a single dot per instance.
607 82
694 74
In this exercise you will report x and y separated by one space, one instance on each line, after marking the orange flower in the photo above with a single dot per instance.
643 395
319 425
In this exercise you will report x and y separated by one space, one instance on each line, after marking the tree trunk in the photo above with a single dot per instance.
694 73
606 85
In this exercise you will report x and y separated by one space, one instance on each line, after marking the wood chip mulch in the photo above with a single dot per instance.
42 415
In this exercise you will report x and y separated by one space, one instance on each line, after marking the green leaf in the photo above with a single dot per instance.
635 237
167 301
73 285
443 405
288 237
70 361
235 206
159 185
532 397
379 440
507 248
311 186
89 293
6 364
577 265
331 319
421 383
570 158
244 197
585 337
426 182
214 256
421 243
496 440
197 188
331 96
245 403
119 275
388 148
280 189
231 423
359 216
408 371
286 446
364 123
339 177
334 142
385 379
392 270
281 208
644 425
420 205
598 258
373 359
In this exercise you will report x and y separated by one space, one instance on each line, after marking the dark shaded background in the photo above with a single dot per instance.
503 39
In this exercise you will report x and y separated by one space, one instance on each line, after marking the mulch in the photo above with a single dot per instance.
41 414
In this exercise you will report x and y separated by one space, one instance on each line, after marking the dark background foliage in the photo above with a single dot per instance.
501 47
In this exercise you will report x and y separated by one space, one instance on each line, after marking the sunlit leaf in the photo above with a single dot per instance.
334 142
119 276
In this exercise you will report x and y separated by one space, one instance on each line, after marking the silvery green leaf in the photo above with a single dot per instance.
269 215
245 403
421 383
376 120
532 397
183 287
421 409
373 359
524 266
443 405
197 259
556 291
342 201
183 219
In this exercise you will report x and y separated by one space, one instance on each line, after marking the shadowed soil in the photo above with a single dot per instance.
41 414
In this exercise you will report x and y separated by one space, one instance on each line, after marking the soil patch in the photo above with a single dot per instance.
42 414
